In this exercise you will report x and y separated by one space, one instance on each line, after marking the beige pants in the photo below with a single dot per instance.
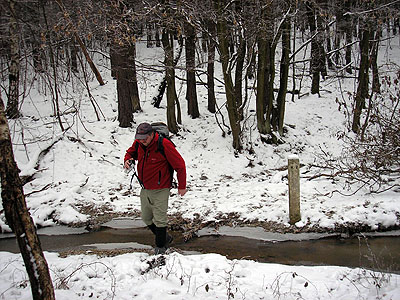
154 206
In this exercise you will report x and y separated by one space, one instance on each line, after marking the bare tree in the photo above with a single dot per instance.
127 88
53 78
372 158
267 41
191 91
284 76
363 79
231 102
72 28
14 70
241 55
172 98
210 25
317 64
122 29
233 28
19 219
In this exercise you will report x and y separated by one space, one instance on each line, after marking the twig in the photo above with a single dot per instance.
38 191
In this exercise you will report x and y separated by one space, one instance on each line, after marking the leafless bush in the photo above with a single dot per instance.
378 276
372 157
284 286
62 280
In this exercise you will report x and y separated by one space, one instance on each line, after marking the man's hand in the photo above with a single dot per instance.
182 192
128 163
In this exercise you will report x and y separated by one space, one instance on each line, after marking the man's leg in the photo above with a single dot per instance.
147 217
146 208
147 211
159 198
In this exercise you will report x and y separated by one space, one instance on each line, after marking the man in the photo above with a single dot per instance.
155 176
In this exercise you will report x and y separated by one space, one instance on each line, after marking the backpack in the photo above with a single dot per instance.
163 133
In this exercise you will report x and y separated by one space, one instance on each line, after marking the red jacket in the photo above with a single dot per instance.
153 167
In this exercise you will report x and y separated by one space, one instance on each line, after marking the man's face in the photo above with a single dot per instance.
147 140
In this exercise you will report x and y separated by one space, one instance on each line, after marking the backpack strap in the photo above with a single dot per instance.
160 145
136 150
160 148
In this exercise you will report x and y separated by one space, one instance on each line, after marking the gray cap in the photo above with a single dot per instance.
143 131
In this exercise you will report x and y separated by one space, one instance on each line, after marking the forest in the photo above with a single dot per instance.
265 48
261 51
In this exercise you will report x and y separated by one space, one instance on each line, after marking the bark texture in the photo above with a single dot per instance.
19 219
191 91
231 102
172 98
13 88
127 88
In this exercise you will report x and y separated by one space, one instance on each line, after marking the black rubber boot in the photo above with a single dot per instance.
152 227
161 236
163 239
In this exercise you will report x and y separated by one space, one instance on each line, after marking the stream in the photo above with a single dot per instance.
377 251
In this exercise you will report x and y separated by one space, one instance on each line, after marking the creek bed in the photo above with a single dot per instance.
373 251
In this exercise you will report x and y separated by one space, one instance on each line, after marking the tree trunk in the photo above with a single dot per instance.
376 85
251 58
13 87
157 36
229 88
113 61
321 48
37 52
270 79
149 32
127 89
329 47
339 33
362 88
163 85
262 125
241 54
348 27
349 37
315 55
265 72
73 56
241 46
19 219
161 90
172 98
54 87
284 76
191 93
88 59
210 66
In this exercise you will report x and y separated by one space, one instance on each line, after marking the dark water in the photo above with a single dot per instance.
379 253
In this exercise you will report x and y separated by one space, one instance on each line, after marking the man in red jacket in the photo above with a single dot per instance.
155 176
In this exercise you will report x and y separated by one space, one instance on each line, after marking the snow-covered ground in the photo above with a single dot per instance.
82 171
208 276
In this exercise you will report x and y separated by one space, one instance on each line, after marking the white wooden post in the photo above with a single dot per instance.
294 188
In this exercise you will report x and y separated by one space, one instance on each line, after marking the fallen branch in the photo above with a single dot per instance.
27 176
38 191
